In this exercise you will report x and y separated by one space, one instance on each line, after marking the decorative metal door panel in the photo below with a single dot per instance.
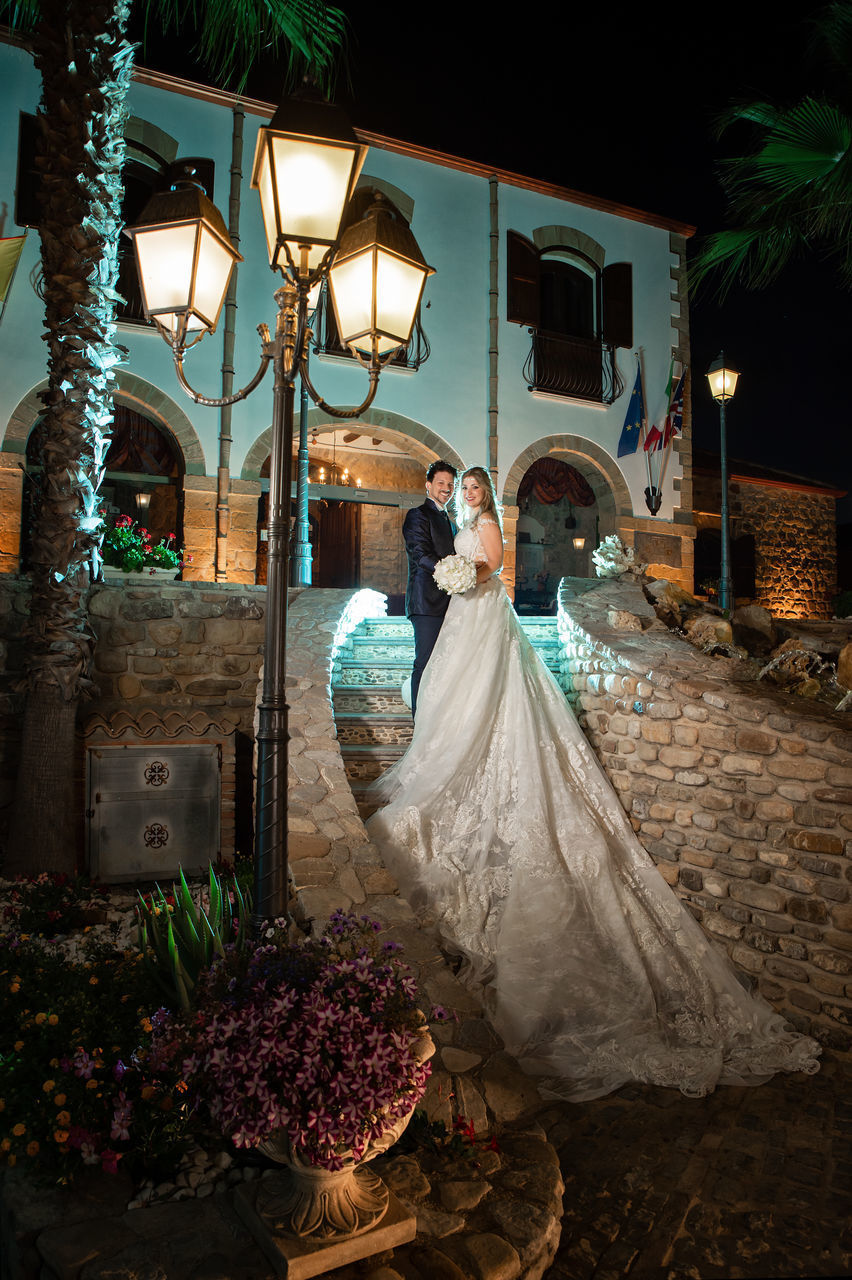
152 809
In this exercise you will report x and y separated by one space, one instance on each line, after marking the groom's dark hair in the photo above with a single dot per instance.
435 467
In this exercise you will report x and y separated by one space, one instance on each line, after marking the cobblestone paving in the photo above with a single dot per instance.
746 1183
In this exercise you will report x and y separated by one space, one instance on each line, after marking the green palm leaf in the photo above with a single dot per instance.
306 35
792 193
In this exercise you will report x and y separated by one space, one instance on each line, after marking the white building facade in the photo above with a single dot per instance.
541 303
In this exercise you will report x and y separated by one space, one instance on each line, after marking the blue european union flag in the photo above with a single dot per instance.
635 419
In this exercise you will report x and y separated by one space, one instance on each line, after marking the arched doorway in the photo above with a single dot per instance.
362 478
558 522
143 478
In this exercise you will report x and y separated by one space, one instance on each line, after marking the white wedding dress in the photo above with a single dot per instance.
501 821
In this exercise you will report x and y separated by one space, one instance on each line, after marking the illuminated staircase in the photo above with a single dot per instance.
374 725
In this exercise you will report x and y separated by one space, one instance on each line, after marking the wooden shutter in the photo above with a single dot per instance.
617 304
522 289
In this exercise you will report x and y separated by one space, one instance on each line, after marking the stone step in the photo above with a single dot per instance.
357 729
369 700
382 672
369 648
364 764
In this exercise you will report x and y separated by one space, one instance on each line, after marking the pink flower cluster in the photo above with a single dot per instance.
318 1039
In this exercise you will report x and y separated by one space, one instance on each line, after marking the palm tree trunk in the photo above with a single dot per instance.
85 64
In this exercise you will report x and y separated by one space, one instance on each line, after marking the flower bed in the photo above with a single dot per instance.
318 1038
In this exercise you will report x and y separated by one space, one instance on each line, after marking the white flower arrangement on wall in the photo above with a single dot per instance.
612 558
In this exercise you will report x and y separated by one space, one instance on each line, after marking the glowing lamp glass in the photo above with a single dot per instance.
376 295
304 185
723 381
184 270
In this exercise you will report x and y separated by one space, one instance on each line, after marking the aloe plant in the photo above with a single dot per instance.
180 940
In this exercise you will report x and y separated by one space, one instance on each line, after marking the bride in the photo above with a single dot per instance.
502 823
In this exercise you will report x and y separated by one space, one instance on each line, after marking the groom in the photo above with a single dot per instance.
428 532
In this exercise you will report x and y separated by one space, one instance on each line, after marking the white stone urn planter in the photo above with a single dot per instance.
316 1205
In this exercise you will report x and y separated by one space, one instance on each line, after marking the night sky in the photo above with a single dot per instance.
619 101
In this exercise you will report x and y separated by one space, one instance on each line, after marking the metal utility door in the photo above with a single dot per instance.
152 809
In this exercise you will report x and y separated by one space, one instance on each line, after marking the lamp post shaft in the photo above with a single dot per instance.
302 548
271 871
725 589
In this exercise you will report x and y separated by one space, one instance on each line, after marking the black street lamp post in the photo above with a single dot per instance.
306 166
722 377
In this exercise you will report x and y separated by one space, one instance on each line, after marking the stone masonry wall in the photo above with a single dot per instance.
795 542
165 647
742 796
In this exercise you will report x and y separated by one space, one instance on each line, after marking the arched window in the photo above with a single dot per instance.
578 313
143 478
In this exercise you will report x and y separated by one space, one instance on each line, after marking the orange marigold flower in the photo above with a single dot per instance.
14 987
19 1130
93 982
145 1024
32 1149
64 1118
60 1135
5 1145
59 1099
19 1044
48 1086
40 1018
53 1019
91 1084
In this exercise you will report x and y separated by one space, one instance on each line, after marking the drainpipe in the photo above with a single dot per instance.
493 326
223 474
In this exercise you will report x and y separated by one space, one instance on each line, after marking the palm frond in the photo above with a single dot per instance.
309 36
20 14
791 192
753 256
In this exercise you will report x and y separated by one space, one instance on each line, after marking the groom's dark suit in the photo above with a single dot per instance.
428 534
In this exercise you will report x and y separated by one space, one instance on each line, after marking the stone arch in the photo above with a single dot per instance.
420 442
597 466
131 390
553 237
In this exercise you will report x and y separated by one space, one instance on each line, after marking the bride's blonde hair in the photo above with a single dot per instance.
490 505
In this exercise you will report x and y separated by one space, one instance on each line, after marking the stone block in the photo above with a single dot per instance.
774 810
741 829
758 895
815 842
718 924
740 765
757 741
808 770
679 757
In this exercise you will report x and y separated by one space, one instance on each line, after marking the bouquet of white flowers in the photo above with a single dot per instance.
612 558
455 575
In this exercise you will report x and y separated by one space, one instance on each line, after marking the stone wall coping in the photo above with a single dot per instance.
667 661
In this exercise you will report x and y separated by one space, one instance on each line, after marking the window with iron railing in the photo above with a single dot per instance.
578 314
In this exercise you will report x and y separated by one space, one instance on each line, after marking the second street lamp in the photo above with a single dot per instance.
722 377
306 165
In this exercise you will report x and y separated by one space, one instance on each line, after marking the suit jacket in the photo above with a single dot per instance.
428 538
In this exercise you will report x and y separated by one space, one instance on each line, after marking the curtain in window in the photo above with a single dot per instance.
549 480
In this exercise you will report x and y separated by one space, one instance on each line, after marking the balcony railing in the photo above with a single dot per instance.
583 368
